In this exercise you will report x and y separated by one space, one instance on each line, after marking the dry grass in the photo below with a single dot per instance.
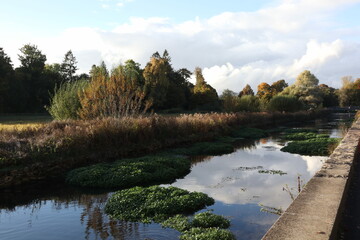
20 127
58 146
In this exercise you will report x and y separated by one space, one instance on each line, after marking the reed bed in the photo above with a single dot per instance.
58 146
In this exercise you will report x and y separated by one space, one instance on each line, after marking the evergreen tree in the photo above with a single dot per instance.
247 90
68 67
204 97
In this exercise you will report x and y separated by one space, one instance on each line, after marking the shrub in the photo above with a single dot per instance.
249 103
154 203
130 172
207 234
285 103
312 147
65 103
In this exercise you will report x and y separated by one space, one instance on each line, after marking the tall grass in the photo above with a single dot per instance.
59 146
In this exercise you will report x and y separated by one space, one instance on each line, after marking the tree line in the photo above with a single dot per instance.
128 89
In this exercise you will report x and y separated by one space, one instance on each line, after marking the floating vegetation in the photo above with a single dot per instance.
272 210
154 203
178 222
204 148
312 147
200 220
275 172
207 234
251 133
248 168
130 172
303 136
210 220
299 130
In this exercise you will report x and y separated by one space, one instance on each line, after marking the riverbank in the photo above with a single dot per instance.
57 147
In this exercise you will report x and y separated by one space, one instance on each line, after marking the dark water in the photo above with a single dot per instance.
242 193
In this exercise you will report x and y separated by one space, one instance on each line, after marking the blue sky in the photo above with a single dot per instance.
235 42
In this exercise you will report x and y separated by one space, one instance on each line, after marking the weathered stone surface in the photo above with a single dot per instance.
313 213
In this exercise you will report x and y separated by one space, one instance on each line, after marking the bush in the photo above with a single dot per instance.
249 103
154 203
207 234
130 172
285 103
312 147
65 103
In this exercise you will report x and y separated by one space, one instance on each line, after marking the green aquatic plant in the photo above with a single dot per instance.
210 220
204 148
207 234
303 136
312 147
299 130
274 172
147 204
130 172
200 220
251 133
178 222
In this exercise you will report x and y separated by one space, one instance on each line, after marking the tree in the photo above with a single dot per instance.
117 95
329 95
247 90
229 100
156 78
278 86
264 92
31 58
306 89
249 103
349 93
204 96
32 80
6 76
68 67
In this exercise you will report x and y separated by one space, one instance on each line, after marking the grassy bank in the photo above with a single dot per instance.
57 147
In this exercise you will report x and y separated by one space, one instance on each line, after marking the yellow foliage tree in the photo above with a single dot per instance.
117 95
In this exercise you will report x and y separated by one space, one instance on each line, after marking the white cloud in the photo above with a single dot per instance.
234 48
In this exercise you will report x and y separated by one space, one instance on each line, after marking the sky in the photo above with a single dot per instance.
235 42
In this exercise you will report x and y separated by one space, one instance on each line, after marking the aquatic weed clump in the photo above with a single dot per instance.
209 220
303 136
251 133
205 225
205 148
126 173
312 147
201 220
207 234
147 204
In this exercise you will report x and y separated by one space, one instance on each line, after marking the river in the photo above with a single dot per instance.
250 186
